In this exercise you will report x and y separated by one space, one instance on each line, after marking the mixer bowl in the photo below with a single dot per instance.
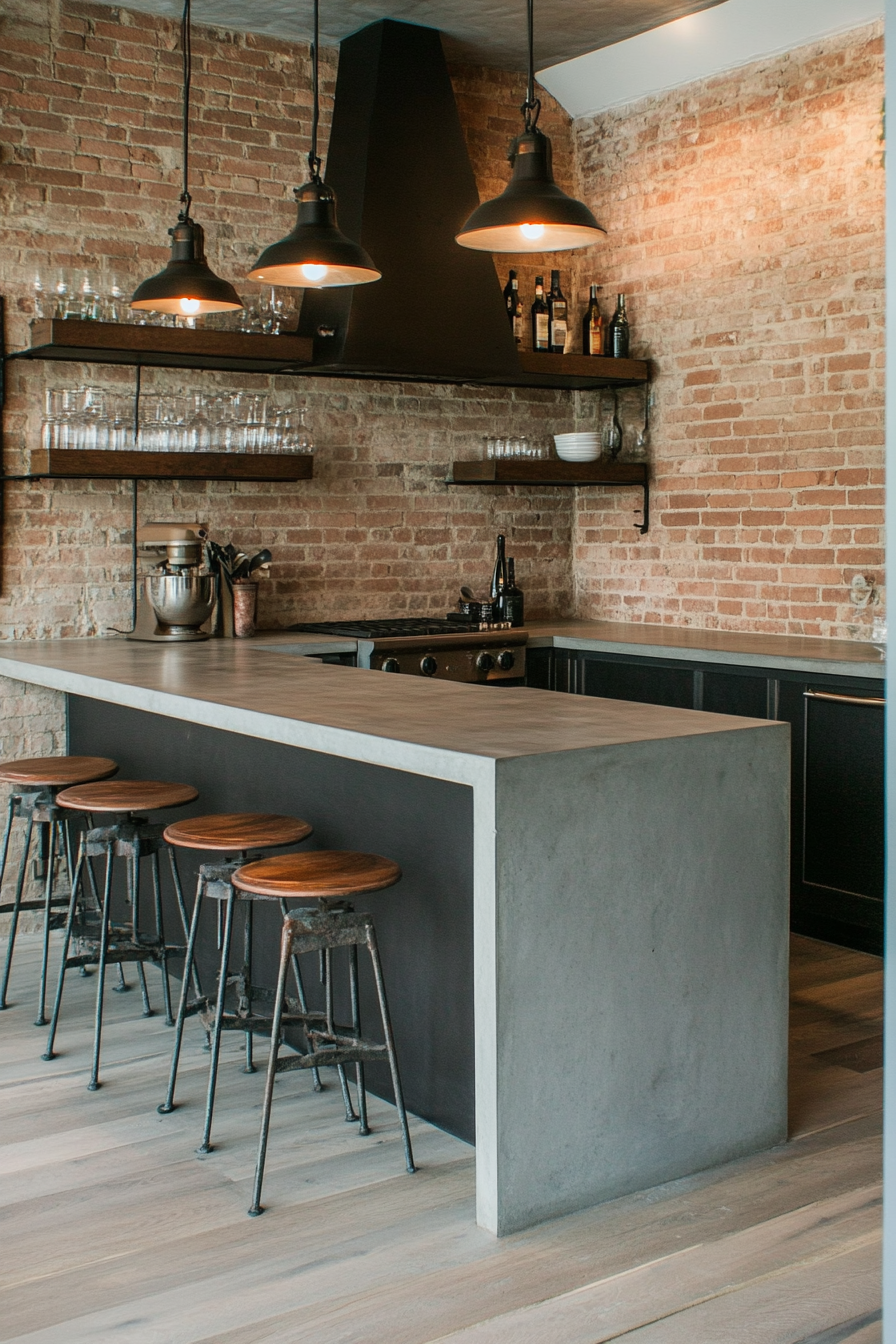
181 602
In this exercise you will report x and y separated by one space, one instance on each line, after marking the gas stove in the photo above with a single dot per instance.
450 650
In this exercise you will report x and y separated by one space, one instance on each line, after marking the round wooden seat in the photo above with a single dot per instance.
235 831
319 873
56 772
126 795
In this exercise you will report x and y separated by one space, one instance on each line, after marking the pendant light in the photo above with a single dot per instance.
532 214
187 286
316 255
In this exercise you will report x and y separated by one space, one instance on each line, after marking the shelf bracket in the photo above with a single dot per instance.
645 508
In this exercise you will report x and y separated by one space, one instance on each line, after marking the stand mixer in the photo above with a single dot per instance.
178 596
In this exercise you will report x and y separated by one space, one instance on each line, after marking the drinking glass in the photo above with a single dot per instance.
198 427
500 448
41 289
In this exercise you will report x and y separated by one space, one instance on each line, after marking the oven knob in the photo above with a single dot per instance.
391 665
428 666
485 662
506 660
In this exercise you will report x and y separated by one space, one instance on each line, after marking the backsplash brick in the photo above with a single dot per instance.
746 225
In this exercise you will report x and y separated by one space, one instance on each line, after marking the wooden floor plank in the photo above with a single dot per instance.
351 1249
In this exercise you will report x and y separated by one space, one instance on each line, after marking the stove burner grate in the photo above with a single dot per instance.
385 629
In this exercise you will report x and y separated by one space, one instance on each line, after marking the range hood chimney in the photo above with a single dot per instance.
398 163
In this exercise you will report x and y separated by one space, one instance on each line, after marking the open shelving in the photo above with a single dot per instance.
541 471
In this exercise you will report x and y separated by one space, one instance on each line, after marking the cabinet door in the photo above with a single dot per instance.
837 830
540 668
734 693
641 680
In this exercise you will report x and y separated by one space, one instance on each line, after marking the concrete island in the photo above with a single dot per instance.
586 957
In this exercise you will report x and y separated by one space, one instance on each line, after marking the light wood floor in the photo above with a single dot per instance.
112 1229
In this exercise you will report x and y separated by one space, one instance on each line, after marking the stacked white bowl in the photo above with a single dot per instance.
583 447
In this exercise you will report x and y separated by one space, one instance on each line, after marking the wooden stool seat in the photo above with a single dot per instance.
126 795
55 772
317 875
234 832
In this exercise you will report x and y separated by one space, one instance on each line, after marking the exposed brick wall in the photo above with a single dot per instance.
89 133
746 226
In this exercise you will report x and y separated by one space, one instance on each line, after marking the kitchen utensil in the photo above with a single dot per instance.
468 593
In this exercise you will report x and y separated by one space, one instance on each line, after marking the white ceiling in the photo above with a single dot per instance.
492 32
703 44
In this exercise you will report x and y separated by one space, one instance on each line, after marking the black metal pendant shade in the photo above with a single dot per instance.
316 254
532 214
187 286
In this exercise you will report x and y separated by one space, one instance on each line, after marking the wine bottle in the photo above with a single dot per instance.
593 327
514 306
557 317
540 318
513 598
499 581
617 334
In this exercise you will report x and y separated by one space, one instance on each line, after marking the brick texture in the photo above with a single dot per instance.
746 226
90 174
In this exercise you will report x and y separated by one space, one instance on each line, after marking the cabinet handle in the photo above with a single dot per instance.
845 699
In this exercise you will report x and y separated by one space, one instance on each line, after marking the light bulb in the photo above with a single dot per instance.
190 306
313 272
531 230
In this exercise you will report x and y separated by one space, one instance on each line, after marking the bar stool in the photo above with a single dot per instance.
231 834
328 877
133 838
37 783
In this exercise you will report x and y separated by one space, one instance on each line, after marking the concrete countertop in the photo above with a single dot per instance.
438 728
795 653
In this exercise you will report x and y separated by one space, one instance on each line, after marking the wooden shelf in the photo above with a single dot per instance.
73 463
164 347
528 471
581 371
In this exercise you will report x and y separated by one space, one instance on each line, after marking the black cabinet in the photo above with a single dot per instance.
837 780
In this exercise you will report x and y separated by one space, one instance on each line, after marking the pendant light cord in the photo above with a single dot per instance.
313 157
186 199
532 104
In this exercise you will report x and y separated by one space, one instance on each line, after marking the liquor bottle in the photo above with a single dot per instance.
514 306
513 598
593 327
499 581
540 318
557 317
617 334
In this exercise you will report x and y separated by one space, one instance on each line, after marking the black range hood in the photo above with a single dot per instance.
398 163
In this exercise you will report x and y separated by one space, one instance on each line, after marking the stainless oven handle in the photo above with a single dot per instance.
845 699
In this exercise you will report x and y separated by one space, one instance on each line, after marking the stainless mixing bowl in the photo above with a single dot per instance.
181 602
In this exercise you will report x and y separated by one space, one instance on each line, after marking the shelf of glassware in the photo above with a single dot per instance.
78 463
77 339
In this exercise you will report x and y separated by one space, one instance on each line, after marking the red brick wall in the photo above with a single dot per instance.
89 171
746 226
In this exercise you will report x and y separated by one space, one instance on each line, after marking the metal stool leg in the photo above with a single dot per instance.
106 917
390 1047
364 1128
182 906
134 883
168 1104
285 949
17 903
41 1020
245 987
300 994
350 1116
205 1146
160 934
69 925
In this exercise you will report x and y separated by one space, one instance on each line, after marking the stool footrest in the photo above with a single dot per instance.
358 1052
55 902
